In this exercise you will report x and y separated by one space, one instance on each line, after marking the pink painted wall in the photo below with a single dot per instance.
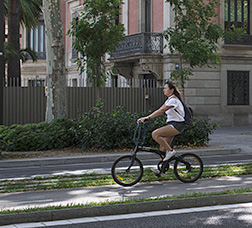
157 15
217 19
217 10
121 17
133 17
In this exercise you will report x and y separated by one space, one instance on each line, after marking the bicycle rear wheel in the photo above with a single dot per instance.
188 167
125 175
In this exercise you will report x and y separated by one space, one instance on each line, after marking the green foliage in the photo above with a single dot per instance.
42 136
194 36
96 129
29 15
30 12
234 34
196 134
95 34
181 76
24 53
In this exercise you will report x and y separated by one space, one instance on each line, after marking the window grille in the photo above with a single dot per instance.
238 87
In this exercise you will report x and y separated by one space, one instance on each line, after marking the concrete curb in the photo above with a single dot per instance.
63 214
103 158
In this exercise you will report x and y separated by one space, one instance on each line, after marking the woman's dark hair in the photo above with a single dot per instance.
176 92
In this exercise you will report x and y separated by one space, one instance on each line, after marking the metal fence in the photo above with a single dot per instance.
28 104
23 105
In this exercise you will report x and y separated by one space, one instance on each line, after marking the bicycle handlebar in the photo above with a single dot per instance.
139 135
142 122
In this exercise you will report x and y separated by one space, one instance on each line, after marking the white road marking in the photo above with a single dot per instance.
217 186
31 201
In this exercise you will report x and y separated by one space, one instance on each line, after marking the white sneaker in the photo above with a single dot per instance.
169 154
158 173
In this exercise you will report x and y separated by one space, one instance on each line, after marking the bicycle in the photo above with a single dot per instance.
128 170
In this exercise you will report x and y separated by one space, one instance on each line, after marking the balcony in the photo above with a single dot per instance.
138 44
139 54
243 40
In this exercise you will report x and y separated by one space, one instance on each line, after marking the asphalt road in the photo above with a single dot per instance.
218 216
225 216
230 216
104 167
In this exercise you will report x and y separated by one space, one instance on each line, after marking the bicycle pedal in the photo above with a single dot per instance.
160 175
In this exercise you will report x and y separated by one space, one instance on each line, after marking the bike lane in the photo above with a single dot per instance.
21 200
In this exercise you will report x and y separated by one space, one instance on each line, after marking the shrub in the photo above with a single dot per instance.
116 130
42 136
196 134
96 129
105 130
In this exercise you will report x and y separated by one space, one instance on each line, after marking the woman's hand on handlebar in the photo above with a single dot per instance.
142 119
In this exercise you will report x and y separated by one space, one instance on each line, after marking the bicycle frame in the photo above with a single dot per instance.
139 139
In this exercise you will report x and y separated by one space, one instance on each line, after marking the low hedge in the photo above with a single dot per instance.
41 136
96 129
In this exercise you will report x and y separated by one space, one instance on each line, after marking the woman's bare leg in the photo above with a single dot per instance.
168 140
164 135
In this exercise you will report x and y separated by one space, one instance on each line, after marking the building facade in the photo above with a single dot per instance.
222 93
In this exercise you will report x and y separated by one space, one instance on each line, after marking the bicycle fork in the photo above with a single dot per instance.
133 158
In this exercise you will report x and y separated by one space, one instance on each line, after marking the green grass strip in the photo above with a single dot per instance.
86 180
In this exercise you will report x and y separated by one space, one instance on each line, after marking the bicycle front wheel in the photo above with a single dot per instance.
188 167
124 174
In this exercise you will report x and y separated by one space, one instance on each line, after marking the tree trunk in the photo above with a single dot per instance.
14 77
2 66
55 56
182 82
99 81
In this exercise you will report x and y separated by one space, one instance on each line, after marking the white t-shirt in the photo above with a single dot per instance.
172 115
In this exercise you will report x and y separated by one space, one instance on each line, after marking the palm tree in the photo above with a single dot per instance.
24 12
30 13
24 53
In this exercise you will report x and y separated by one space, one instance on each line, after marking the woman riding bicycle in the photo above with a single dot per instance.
174 109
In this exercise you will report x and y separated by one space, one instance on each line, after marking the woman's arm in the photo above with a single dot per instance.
156 113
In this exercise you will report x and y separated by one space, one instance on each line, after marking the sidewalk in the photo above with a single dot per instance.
233 137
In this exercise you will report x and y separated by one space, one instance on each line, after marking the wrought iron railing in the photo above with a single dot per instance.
243 40
40 56
140 43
